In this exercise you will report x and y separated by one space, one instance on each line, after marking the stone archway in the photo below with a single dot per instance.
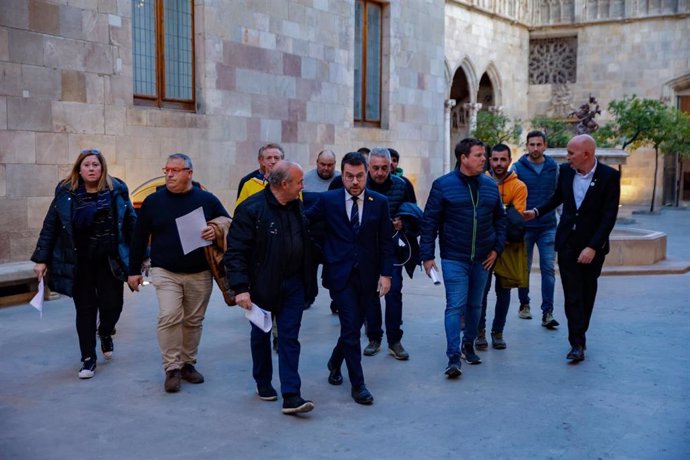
463 91
485 94
491 79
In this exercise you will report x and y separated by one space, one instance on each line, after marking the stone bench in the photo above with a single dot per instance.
18 283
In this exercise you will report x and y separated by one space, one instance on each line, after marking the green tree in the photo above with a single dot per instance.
677 143
558 132
644 123
606 136
496 129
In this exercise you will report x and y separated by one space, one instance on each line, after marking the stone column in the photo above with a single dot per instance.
580 15
447 107
632 8
471 108
496 109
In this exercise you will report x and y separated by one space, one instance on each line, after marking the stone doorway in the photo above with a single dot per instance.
459 122
485 95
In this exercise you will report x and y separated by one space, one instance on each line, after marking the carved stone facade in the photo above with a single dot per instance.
537 13
553 60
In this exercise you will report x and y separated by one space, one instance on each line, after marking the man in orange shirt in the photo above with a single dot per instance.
513 191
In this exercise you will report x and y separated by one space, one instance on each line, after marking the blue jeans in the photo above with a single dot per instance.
545 239
288 321
393 312
465 282
502 304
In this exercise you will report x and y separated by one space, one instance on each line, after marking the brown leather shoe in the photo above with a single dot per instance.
172 381
190 374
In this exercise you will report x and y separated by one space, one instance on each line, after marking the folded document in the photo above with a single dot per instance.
260 318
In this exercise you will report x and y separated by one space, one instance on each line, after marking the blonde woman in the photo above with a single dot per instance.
83 249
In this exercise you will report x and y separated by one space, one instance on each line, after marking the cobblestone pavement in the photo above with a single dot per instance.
629 399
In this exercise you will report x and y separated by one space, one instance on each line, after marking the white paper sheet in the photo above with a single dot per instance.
434 276
37 301
189 227
260 317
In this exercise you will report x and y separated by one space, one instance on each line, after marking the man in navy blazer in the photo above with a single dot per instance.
590 193
358 262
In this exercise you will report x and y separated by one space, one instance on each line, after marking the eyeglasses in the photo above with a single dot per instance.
91 152
174 170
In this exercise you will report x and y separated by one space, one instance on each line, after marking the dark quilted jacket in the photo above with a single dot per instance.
466 232
56 246
540 187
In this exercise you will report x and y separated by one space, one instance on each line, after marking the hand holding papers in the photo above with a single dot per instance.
189 228
260 318
432 271
37 301
433 274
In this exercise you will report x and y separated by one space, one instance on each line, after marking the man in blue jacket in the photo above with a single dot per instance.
465 211
539 173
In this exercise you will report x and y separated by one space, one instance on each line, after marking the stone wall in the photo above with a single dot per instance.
618 59
476 42
265 72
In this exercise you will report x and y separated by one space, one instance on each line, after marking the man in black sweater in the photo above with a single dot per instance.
183 281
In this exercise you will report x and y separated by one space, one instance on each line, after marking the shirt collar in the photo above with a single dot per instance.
590 173
349 197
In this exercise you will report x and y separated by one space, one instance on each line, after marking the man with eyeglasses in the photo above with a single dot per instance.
358 263
183 281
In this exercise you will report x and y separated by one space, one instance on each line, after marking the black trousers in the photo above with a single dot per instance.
353 301
579 289
97 296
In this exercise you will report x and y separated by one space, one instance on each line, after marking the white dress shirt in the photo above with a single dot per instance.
581 182
349 202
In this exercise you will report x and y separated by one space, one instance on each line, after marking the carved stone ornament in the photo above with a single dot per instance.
552 60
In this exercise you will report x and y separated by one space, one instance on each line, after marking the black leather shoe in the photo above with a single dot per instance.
294 404
335 377
576 354
362 396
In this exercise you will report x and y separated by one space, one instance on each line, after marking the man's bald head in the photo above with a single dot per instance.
586 141
581 150
286 181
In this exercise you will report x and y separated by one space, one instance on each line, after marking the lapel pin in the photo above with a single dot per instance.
370 198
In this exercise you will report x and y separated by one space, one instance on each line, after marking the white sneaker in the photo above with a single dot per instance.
88 369
524 312
107 346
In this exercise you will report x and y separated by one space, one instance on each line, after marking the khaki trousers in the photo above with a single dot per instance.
182 302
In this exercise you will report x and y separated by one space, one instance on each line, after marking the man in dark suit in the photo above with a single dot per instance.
589 192
358 262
